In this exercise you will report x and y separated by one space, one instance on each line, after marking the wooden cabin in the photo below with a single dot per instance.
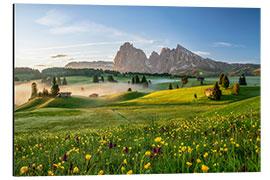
94 95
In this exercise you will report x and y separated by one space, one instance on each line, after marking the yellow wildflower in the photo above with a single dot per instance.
123 168
24 169
147 153
189 163
199 161
147 165
76 170
205 155
50 173
101 172
39 167
158 139
129 172
205 168
88 156
125 161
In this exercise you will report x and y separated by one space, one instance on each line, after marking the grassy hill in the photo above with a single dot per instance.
186 95
128 107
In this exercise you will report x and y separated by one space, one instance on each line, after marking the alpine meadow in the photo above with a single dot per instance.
95 94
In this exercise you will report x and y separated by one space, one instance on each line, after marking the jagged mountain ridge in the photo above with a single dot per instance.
178 61
174 61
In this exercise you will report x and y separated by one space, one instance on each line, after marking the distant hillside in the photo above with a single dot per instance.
105 65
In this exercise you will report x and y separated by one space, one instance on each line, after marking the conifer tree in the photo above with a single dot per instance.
242 80
110 78
64 81
235 89
95 79
137 79
133 80
129 89
220 78
216 92
34 90
55 88
170 86
225 82
143 79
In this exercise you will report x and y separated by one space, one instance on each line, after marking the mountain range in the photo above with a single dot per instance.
178 61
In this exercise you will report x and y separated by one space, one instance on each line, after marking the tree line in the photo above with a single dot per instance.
45 93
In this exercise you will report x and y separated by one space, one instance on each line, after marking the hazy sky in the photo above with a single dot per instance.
87 33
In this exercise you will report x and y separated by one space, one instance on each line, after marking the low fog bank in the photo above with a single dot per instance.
23 91
157 81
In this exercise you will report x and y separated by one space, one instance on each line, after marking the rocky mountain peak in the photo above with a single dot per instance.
164 51
126 45
130 59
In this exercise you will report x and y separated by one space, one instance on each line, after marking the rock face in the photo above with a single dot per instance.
130 59
94 64
181 59
176 61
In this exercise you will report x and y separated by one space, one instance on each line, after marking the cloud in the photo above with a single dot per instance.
222 44
75 28
90 44
226 44
59 56
201 53
53 18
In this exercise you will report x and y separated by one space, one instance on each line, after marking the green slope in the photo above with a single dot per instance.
124 96
30 105
244 106
186 95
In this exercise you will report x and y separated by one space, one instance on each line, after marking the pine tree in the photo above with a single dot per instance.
129 89
143 79
133 80
225 82
95 79
220 78
64 81
242 80
177 87
235 89
34 90
102 78
137 79
170 86
110 78
55 88
216 92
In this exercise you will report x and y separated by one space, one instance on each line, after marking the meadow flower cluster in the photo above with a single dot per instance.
228 143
